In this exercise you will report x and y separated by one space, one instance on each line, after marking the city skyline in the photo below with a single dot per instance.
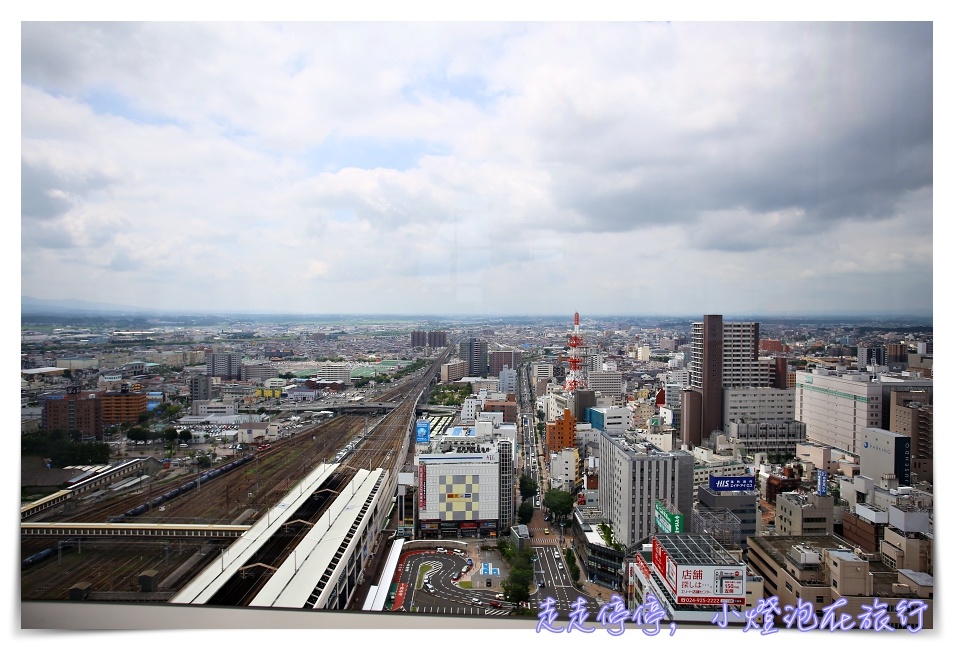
479 168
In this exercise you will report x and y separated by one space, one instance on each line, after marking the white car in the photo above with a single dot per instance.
441 549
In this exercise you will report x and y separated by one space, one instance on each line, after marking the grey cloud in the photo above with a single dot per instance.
48 51
843 138
37 197
47 193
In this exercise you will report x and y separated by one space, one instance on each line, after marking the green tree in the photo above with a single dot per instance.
559 502
185 435
528 487
138 434
572 566
525 512
204 461
170 435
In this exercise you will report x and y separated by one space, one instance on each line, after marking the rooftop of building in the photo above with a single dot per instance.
690 549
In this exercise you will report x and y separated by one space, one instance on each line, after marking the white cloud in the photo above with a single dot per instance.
436 167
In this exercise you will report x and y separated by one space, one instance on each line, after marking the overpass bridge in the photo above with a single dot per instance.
343 406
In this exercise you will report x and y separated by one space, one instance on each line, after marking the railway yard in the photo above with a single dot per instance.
112 567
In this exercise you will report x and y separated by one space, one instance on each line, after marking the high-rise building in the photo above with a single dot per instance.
508 498
561 433
123 406
896 353
871 357
437 339
507 380
453 370
474 352
200 387
703 414
499 359
633 477
73 412
722 355
912 414
227 365
418 339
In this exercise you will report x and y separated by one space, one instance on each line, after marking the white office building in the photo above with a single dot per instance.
334 371
758 404
632 477
837 405
608 382
507 381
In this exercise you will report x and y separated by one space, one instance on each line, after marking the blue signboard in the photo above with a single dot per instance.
726 483
822 482
423 431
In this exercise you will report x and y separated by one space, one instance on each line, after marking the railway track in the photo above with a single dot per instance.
240 495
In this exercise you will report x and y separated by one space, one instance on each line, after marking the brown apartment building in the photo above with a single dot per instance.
561 433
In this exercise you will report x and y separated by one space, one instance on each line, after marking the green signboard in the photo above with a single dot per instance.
668 522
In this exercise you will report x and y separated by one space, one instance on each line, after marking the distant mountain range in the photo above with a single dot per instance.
30 305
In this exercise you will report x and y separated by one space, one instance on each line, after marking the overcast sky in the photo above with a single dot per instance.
479 168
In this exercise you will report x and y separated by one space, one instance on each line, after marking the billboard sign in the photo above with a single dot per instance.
423 432
667 521
822 482
421 486
730 483
643 567
700 584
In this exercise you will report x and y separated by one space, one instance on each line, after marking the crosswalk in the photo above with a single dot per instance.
458 610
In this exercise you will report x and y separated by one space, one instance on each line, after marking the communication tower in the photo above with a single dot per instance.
574 378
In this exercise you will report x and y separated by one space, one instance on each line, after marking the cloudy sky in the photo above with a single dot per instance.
479 168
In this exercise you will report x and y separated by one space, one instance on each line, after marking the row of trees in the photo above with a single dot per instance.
63 448
169 435
516 587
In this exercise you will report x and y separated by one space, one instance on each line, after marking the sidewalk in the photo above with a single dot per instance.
602 594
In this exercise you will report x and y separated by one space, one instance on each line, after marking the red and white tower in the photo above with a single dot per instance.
574 378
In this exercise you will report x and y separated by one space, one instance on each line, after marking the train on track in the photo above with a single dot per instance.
182 489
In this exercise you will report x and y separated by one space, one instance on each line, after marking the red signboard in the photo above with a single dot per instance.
422 486
643 567
659 558
700 584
